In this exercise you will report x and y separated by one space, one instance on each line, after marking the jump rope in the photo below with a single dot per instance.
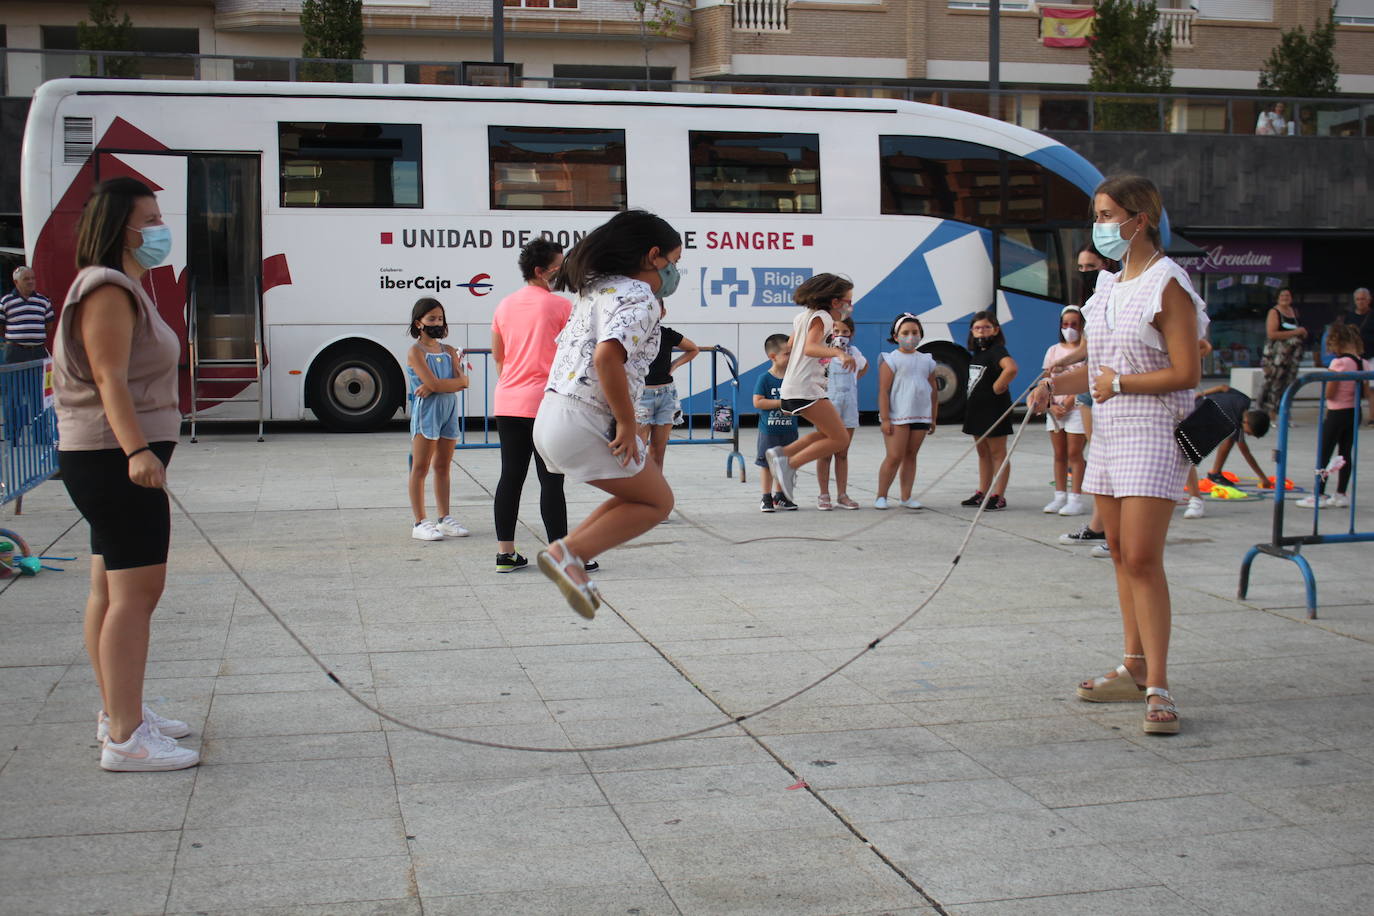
678 736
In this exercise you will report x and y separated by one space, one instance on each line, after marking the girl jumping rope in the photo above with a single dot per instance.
1065 420
823 298
990 375
908 401
435 373
585 428
844 394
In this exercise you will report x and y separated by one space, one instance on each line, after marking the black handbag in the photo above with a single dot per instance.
1199 433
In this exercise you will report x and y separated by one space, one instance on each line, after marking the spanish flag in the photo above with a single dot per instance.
1066 28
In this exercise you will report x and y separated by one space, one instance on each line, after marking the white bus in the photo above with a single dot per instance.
308 217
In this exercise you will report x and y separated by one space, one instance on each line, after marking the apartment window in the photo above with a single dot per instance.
953 179
1355 12
541 4
755 172
350 165
1256 10
557 168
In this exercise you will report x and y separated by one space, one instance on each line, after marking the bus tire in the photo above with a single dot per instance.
951 375
354 387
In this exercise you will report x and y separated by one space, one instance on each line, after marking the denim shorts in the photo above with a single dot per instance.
657 406
771 438
1085 399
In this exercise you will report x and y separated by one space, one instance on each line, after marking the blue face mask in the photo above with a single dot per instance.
668 278
1108 241
157 244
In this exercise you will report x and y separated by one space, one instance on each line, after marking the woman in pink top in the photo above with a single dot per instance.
524 332
115 384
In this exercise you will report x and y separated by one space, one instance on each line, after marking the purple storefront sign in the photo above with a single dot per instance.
1233 256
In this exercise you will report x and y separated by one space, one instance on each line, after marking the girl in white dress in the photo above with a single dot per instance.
908 402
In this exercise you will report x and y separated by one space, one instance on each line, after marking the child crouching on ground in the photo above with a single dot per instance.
775 427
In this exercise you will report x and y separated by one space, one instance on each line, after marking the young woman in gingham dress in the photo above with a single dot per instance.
1143 326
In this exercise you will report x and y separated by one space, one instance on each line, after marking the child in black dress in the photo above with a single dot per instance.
990 373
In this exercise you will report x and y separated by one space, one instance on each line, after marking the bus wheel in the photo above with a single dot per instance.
355 388
951 376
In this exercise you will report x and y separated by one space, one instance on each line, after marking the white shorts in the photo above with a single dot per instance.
1073 423
573 438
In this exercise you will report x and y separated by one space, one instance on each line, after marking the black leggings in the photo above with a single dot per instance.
1338 432
517 445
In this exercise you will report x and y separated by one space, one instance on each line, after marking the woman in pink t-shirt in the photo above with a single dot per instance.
1338 426
524 333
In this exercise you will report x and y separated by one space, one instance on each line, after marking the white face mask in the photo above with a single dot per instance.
909 342
1071 335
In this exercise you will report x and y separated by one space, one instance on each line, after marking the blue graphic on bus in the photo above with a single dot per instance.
775 285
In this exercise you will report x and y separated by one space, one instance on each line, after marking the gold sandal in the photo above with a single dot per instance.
1153 726
1119 689
582 597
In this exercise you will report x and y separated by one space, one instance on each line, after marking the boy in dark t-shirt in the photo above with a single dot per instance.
775 427
1248 423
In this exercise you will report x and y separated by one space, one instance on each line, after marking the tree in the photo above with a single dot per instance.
1302 65
655 18
108 32
1130 53
332 29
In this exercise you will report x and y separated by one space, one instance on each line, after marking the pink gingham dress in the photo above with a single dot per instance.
1133 452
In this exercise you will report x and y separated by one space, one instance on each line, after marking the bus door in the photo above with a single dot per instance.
212 201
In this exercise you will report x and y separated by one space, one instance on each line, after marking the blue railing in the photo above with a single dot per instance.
1289 547
28 429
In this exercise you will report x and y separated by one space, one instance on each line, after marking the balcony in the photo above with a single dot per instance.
1177 22
760 15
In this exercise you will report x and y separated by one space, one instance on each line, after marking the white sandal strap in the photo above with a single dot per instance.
1129 655
1166 706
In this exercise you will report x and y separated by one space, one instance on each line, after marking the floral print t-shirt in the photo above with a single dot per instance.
613 308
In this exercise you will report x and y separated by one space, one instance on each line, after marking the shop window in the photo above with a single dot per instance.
350 165
755 172
953 179
597 76
162 41
557 168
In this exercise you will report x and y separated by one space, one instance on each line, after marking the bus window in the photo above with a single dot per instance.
1030 261
955 179
349 165
556 168
751 172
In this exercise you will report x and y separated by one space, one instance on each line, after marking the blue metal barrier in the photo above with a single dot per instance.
28 429
483 382
1289 547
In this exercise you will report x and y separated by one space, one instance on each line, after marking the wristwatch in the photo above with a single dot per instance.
1116 384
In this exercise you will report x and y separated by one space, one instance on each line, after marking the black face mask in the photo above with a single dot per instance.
1089 278
984 343
435 330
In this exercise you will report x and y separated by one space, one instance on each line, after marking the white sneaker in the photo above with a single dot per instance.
880 502
1338 501
1101 551
172 728
1054 505
784 475
1314 502
913 503
426 531
1195 508
1075 505
448 526
145 751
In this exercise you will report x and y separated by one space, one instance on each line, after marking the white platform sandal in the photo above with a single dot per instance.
1153 727
582 597
1119 689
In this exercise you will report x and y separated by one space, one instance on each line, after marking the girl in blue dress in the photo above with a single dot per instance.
434 371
